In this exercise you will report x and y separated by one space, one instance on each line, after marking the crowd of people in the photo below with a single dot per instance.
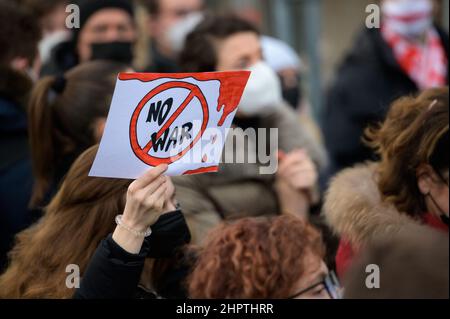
236 233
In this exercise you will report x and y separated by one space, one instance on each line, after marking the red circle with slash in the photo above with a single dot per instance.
142 152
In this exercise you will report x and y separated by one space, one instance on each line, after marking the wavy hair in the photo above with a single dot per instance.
77 219
254 258
414 126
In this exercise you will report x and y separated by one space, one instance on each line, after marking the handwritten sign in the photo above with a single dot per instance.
177 119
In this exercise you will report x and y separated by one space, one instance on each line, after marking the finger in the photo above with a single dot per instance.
150 176
295 158
303 180
170 189
287 160
281 155
301 174
288 168
303 166
158 193
153 186
159 200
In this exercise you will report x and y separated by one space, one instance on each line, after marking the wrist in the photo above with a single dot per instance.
133 228
127 241
133 224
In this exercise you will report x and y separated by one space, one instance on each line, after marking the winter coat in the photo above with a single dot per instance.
16 177
240 190
355 211
113 273
367 82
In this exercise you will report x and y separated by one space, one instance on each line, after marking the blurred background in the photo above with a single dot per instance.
321 31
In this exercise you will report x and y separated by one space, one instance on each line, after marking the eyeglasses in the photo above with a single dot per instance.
331 284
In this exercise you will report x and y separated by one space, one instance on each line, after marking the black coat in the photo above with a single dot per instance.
16 176
367 82
114 273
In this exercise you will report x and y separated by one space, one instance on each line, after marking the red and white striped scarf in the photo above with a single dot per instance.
425 63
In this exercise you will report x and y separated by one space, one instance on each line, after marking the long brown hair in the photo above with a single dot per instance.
77 219
62 112
408 138
254 258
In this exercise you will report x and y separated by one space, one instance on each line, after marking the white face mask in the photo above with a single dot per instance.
177 34
263 91
48 42
410 18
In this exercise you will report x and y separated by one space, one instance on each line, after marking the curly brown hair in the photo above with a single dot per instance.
414 126
254 258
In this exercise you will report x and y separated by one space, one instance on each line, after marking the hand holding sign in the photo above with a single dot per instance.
146 198
173 119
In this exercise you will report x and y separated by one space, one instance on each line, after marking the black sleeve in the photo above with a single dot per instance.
112 273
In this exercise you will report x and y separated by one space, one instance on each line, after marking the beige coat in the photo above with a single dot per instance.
239 190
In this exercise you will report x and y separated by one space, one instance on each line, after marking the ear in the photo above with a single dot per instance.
424 180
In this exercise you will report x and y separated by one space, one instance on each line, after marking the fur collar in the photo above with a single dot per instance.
354 209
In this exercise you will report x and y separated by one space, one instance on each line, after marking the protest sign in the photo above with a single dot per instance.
177 119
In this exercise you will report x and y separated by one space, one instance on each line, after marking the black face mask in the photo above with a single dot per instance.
292 95
445 219
169 234
115 51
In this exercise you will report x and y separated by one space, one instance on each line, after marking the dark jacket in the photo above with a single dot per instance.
16 178
63 57
161 63
366 83
114 273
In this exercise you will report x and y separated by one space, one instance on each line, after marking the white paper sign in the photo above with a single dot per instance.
177 119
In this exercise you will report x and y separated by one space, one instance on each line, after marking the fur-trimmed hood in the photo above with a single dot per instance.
354 208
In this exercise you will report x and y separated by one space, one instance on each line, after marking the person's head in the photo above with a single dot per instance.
414 264
107 30
259 258
52 19
222 43
66 115
227 43
409 18
51 14
413 145
165 14
19 37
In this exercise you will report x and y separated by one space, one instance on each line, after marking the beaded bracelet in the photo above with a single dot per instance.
146 233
